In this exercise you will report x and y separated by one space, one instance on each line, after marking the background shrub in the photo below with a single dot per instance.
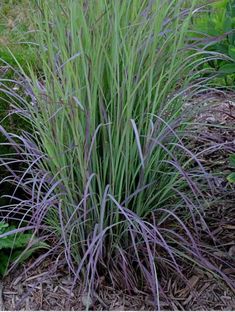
216 27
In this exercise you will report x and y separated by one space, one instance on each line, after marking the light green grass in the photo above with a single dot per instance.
15 46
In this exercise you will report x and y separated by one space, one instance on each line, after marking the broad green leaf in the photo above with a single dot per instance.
232 160
3 225
219 4
214 27
231 177
6 243
231 51
16 243
20 256
227 69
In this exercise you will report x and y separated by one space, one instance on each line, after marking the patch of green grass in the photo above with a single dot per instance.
15 30
15 47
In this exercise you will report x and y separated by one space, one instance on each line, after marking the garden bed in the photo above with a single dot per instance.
48 287
132 193
38 291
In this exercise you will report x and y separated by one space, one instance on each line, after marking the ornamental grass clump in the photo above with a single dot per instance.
105 170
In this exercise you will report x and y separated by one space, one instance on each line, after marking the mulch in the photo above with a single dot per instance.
35 292
40 290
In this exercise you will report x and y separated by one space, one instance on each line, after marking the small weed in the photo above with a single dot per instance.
12 246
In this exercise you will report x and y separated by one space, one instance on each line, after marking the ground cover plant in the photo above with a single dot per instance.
215 26
17 247
107 172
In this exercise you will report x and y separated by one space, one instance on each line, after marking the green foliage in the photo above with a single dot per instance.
231 177
218 28
113 172
12 246
14 35
110 96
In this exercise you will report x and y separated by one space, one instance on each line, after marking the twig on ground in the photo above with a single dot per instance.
1 297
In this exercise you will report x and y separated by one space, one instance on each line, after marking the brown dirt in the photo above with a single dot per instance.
42 291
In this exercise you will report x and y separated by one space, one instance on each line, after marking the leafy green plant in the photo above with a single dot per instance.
217 28
231 177
13 247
